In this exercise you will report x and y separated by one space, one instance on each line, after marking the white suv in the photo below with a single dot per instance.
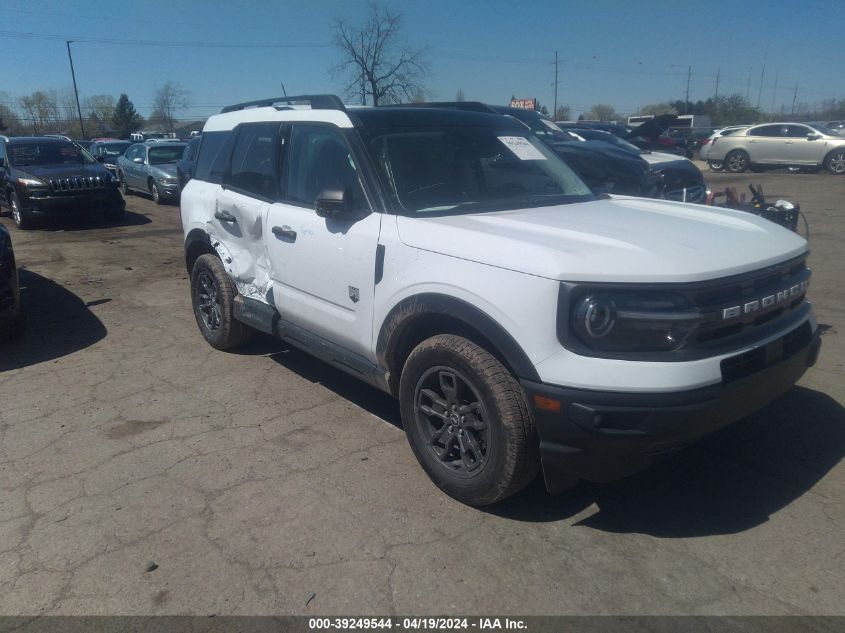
451 259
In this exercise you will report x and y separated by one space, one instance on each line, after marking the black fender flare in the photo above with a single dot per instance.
197 242
417 309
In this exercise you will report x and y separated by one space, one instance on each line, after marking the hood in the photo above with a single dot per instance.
46 172
165 169
653 128
620 239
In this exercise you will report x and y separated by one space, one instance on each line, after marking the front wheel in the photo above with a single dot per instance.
835 162
716 165
156 193
213 298
737 161
124 188
467 421
21 217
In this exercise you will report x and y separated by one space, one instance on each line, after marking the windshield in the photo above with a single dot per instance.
449 169
166 154
113 149
23 154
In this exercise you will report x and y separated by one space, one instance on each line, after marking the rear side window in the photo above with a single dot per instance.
212 159
254 161
766 130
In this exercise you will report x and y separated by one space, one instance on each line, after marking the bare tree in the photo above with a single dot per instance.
40 110
563 113
168 100
378 64
460 95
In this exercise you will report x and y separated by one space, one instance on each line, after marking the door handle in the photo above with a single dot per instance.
225 216
790 142
284 233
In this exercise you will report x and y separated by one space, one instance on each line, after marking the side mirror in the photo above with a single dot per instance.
332 203
138 160
813 137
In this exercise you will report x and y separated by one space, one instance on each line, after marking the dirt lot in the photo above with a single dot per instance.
254 480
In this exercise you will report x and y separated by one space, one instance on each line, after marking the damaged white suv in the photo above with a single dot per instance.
452 260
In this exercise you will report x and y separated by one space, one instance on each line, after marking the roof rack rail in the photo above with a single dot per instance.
317 102
471 106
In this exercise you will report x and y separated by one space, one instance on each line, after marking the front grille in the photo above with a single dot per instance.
77 184
758 297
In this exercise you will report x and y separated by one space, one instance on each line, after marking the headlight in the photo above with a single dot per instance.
633 322
169 180
31 182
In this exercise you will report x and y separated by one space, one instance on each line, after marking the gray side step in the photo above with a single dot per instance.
256 314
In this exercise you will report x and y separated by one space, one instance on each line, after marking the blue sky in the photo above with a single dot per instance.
627 54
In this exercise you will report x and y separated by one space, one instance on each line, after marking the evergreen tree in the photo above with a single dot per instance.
125 118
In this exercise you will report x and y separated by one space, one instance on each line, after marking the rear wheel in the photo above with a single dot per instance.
213 298
467 421
716 165
835 161
737 161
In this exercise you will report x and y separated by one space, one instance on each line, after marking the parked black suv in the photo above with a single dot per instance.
44 176
11 318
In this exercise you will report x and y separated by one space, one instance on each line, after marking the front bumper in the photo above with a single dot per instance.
57 205
602 436
168 190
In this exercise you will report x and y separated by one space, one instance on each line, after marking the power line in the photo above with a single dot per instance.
131 42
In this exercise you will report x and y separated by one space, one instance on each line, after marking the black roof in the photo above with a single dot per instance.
386 116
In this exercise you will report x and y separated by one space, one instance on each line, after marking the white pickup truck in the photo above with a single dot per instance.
453 260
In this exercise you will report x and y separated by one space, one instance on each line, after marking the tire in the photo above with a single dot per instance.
124 188
835 161
213 298
21 217
485 456
156 193
716 165
737 161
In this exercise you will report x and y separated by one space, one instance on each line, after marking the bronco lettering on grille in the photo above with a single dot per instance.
765 302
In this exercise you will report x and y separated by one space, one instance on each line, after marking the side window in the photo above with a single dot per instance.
766 130
209 168
254 161
320 160
797 131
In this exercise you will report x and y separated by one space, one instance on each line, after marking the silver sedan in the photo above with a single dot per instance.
781 145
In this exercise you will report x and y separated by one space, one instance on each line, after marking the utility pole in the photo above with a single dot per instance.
689 74
554 112
718 72
774 94
75 91
794 98
363 78
748 87
762 76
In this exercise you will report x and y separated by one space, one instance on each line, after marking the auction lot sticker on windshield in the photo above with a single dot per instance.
522 148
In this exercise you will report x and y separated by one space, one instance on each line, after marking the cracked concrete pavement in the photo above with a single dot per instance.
254 479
